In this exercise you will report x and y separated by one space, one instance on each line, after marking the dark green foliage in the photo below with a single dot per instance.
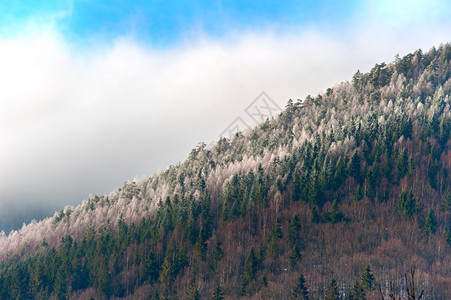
332 290
155 295
250 268
218 294
300 291
407 204
240 193
150 267
433 169
335 215
192 292
314 192
264 282
216 255
200 247
295 256
447 234
357 292
358 193
403 65
340 173
315 218
410 166
273 239
174 261
357 80
403 163
293 231
447 199
276 231
380 75
354 167
367 279
431 222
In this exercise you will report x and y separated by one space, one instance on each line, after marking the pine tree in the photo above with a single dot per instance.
155 295
412 206
315 216
218 294
367 279
173 262
403 163
354 168
357 79
216 255
264 281
410 166
358 193
150 267
61 284
431 222
407 203
340 172
192 293
447 199
101 275
357 292
200 246
293 231
275 235
36 276
335 214
447 234
250 268
300 291
313 189
298 191
295 256
332 291
276 231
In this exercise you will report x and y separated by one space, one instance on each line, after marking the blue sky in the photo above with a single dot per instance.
94 93
162 23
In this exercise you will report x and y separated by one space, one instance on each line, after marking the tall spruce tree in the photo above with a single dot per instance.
300 291
250 268
367 279
218 294
431 222
332 291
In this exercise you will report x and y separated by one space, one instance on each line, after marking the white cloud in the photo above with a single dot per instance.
77 123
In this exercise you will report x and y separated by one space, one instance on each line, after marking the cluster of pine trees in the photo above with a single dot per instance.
357 179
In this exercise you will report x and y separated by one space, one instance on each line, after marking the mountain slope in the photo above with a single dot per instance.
356 177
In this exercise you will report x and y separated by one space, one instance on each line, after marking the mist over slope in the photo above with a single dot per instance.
354 177
13 216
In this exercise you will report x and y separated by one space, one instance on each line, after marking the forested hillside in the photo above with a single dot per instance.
339 195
